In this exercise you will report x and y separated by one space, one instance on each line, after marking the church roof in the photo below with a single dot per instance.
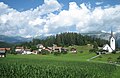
107 46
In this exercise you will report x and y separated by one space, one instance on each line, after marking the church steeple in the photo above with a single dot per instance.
112 41
111 33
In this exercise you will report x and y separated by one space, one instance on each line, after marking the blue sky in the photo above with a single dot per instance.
30 18
21 5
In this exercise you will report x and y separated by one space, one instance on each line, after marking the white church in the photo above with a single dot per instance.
110 48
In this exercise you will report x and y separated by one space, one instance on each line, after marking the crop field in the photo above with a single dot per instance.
49 66
62 66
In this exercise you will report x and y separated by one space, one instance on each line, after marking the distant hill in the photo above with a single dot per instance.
103 35
16 39
98 34
93 34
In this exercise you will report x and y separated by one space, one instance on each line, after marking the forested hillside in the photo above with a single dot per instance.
5 45
66 39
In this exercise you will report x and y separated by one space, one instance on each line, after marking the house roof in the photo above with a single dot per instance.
73 49
27 50
19 47
58 47
39 45
108 46
3 49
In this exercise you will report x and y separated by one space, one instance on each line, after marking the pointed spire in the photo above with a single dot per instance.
111 33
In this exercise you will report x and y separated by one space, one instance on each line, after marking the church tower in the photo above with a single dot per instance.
112 41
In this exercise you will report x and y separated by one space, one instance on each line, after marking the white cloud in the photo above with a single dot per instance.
25 23
85 20
4 9
36 22
43 20
99 3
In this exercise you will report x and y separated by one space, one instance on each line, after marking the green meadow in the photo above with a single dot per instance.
61 66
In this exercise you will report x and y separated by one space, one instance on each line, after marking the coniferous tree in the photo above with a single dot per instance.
67 39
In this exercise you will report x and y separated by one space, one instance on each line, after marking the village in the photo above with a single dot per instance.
41 49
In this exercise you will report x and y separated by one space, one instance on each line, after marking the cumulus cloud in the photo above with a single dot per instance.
99 3
83 19
43 21
26 23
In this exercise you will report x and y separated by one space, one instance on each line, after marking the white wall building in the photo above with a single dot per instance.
110 48
107 48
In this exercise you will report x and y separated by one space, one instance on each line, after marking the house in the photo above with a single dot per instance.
64 49
7 49
49 49
27 51
56 48
35 51
110 48
2 52
19 50
73 50
40 46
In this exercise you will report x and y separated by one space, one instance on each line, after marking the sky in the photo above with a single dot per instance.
31 18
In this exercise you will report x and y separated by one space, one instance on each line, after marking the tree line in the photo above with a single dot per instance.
5 45
66 39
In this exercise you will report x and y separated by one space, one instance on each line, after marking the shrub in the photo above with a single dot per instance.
118 59
81 51
93 50
64 52
44 52
57 53
114 52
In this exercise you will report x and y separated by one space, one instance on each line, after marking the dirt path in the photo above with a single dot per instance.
93 57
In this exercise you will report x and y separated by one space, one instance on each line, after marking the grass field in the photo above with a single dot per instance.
50 66
105 57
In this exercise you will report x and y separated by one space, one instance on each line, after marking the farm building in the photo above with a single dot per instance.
73 50
2 52
56 48
19 50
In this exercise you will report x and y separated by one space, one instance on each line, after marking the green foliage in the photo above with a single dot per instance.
114 52
66 39
56 69
64 52
12 51
5 45
95 45
44 52
118 60
109 59
106 56
93 50
34 48
57 53
63 66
